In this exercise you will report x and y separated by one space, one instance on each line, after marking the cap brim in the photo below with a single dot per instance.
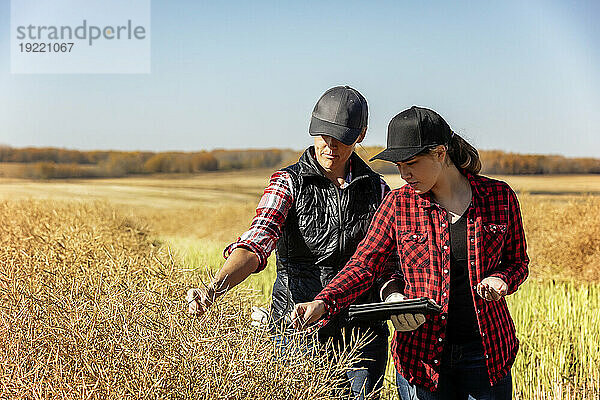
398 154
342 133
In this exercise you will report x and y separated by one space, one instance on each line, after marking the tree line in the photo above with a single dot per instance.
496 162
50 163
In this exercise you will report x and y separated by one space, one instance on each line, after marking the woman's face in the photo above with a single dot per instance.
422 172
331 153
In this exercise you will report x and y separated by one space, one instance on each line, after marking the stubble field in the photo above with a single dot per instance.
93 273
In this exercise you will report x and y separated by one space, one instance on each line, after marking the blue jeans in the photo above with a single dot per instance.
463 376
365 376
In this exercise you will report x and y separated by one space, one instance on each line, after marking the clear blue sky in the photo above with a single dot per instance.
510 75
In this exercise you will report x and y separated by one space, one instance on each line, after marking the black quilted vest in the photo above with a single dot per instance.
321 233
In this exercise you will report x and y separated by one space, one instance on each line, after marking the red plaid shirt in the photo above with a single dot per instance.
418 230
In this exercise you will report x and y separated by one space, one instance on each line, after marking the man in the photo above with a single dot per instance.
314 213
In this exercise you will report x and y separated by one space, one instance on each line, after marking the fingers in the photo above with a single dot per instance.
410 320
484 291
498 286
419 319
401 324
305 314
492 289
397 325
481 290
493 294
197 301
298 315
404 322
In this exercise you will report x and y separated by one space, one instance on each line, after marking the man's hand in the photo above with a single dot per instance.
404 322
240 264
199 300
492 288
305 314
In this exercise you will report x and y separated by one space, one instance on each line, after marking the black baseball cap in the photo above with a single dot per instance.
341 113
413 131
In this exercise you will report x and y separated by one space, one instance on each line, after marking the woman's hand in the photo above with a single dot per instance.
305 314
404 322
492 288
199 300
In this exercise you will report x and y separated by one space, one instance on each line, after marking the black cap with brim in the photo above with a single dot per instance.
413 131
398 155
344 134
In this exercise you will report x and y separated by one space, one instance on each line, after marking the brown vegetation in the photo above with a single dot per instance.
91 305
563 238
180 162
91 308
49 163
267 158
495 162
52 170
499 162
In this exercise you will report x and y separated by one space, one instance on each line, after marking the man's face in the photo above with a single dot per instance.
331 153
422 172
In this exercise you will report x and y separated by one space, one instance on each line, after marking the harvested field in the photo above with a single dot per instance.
91 292
92 308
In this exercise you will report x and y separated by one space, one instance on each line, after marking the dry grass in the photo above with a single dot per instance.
553 185
219 205
91 308
93 305
563 238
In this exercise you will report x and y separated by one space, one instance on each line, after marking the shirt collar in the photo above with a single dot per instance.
479 188
348 178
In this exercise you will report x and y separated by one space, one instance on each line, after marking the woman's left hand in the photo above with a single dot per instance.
492 288
305 314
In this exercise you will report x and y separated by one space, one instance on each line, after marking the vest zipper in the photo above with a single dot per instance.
339 203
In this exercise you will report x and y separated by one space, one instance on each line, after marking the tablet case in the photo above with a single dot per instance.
383 311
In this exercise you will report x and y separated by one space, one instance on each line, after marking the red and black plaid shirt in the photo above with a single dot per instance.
418 229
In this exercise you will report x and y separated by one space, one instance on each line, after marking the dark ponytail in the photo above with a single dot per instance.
463 155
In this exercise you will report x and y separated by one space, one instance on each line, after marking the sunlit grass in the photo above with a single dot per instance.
558 325
92 308
555 311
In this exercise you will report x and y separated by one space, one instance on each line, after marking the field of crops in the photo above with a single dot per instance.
93 273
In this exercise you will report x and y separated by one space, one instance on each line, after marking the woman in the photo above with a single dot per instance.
314 213
460 240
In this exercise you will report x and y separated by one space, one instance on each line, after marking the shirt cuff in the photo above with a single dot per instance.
262 260
395 277
331 308
383 288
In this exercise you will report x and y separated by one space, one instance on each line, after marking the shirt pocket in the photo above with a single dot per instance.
493 243
415 250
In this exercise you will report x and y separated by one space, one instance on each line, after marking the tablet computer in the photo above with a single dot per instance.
383 311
